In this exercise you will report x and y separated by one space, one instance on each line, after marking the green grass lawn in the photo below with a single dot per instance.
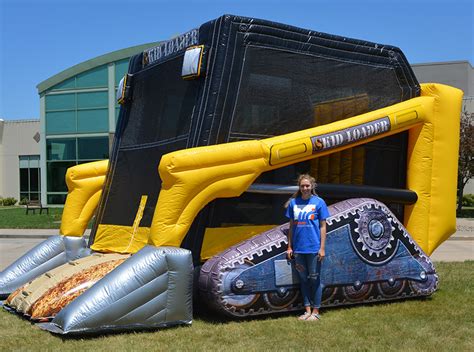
16 218
443 322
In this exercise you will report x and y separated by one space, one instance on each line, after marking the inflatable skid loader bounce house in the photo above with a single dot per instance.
214 127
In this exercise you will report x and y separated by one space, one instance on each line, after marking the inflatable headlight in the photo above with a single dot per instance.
192 62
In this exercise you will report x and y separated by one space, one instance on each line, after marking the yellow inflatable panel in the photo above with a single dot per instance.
84 183
120 239
218 239
432 168
194 177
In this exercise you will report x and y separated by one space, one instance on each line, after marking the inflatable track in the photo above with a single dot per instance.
370 257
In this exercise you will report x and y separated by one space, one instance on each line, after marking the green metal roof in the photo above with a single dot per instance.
89 64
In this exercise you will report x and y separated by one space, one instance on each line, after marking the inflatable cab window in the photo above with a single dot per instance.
214 127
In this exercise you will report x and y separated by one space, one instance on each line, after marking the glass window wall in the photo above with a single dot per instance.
90 121
92 100
92 148
121 68
67 84
82 108
97 77
56 173
62 153
84 112
30 177
61 149
60 102
56 198
60 122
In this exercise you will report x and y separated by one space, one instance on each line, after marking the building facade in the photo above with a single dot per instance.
459 74
20 175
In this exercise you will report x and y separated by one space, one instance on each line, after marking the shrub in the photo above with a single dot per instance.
465 213
468 200
9 201
24 201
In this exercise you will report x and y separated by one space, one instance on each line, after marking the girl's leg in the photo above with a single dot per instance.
301 268
316 288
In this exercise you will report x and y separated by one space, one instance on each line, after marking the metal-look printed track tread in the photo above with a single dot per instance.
360 213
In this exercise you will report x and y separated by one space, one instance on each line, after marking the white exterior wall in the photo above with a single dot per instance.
459 74
16 138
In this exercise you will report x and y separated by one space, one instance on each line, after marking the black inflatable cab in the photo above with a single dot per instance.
237 78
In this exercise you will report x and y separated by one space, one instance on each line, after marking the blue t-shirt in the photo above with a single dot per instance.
306 215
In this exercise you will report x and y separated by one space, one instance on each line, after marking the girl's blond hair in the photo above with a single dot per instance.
302 177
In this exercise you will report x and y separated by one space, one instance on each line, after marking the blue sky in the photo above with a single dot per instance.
39 39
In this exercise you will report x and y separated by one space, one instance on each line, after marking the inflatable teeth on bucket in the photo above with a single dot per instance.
214 127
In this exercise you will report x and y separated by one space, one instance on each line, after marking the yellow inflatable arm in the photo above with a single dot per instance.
192 178
433 150
84 183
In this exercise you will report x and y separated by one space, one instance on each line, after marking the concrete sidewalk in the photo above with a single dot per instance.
460 246
32 233
464 228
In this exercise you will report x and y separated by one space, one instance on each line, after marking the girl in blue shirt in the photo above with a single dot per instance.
306 242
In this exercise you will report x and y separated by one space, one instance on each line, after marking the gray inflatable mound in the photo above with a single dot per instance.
47 255
151 289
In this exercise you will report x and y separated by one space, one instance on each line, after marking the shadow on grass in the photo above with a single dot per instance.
215 319
209 316
76 336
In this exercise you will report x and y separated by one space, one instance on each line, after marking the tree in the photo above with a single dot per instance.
466 153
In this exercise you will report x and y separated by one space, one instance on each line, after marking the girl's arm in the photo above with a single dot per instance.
322 230
289 251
